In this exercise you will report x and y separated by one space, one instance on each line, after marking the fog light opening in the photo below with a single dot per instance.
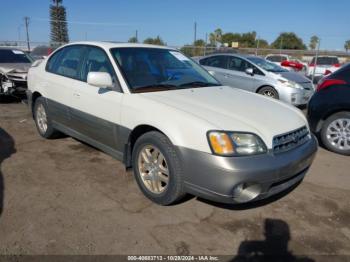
246 192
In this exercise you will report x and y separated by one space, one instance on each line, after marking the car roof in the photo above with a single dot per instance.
10 48
277 55
332 56
229 54
108 45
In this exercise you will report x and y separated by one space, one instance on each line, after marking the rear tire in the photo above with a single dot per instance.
157 169
335 133
269 91
42 119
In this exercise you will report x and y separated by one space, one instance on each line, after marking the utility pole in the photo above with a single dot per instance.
206 43
281 45
19 32
26 22
316 58
195 33
257 46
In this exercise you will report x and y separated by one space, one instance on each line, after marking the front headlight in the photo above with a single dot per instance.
290 84
235 143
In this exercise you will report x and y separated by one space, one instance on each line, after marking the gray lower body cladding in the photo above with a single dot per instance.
206 175
214 177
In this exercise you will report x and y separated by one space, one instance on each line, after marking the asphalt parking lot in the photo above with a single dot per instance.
64 197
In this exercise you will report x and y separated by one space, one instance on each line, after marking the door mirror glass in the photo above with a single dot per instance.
249 71
100 79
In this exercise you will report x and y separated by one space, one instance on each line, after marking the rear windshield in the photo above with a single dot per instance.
13 56
276 58
325 60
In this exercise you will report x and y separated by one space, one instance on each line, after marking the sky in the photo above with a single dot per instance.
173 20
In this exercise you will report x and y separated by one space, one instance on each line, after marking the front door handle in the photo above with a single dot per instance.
77 95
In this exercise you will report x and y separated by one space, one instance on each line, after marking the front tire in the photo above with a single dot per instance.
42 119
157 169
269 91
335 133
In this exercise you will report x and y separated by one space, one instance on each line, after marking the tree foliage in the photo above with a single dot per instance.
196 50
58 22
288 40
248 39
347 45
263 43
133 39
313 42
215 37
154 41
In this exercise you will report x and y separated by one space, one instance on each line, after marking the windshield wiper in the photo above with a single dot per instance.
154 87
198 84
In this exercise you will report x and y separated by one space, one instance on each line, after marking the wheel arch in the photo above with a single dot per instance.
329 114
35 96
137 132
265 85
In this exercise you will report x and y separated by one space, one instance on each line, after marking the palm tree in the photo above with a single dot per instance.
215 37
59 28
347 45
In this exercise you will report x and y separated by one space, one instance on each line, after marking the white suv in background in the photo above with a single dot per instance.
166 117
323 66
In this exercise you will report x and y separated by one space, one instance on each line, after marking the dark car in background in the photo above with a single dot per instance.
329 111
41 52
14 66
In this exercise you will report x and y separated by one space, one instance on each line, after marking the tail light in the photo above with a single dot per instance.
292 64
336 65
311 64
327 72
324 83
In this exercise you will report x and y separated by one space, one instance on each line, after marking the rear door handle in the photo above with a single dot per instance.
77 95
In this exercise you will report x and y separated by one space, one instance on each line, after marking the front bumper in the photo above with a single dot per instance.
215 178
296 97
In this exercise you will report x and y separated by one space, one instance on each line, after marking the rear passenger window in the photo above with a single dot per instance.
67 62
96 61
215 61
275 58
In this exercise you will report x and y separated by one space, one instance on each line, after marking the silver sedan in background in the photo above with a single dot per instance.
255 74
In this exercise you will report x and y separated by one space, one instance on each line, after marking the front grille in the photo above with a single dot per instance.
290 140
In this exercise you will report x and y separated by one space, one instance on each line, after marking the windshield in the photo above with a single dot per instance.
155 69
8 56
268 66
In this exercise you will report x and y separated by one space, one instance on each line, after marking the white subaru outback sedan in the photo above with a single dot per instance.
167 118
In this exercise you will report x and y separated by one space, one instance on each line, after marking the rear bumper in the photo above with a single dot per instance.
216 178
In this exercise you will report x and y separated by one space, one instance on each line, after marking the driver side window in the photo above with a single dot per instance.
238 64
96 61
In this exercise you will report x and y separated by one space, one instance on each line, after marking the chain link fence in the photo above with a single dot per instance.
193 51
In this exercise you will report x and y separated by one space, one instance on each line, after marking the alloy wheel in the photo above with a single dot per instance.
153 169
338 133
269 93
41 118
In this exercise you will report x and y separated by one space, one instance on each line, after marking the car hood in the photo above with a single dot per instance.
14 68
295 77
232 109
